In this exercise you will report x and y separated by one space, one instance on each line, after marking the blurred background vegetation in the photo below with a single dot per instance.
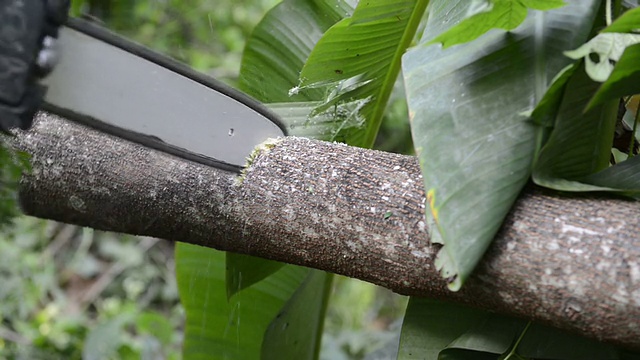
68 292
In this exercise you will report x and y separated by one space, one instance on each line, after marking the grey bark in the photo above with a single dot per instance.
568 261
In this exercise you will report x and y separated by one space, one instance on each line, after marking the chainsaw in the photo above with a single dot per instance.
87 74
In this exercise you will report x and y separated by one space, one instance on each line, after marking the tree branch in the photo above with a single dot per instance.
568 261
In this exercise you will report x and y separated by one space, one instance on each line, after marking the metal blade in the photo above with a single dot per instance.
116 86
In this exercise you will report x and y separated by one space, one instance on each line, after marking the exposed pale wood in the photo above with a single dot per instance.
568 261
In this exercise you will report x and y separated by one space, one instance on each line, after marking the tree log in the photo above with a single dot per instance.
568 261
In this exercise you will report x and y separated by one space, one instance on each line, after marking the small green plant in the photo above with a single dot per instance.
69 293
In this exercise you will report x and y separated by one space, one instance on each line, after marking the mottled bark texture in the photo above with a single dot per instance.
568 261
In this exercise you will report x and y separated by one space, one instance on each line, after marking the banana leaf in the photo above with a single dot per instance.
469 106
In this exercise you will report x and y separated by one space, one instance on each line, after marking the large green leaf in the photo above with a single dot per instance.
580 143
468 107
280 45
576 156
220 329
287 336
601 52
430 325
545 112
626 23
242 271
500 335
543 342
439 330
624 177
485 15
582 156
359 59
493 335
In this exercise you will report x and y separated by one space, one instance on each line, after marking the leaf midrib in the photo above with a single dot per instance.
394 69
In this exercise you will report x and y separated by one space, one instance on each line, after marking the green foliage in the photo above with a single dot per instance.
616 44
109 339
622 177
218 328
430 326
624 79
581 163
280 45
544 114
474 139
296 331
628 22
12 165
565 158
360 58
361 319
607 48
106 339
242 271
65 289
207 35
484 15
439 330
296 116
